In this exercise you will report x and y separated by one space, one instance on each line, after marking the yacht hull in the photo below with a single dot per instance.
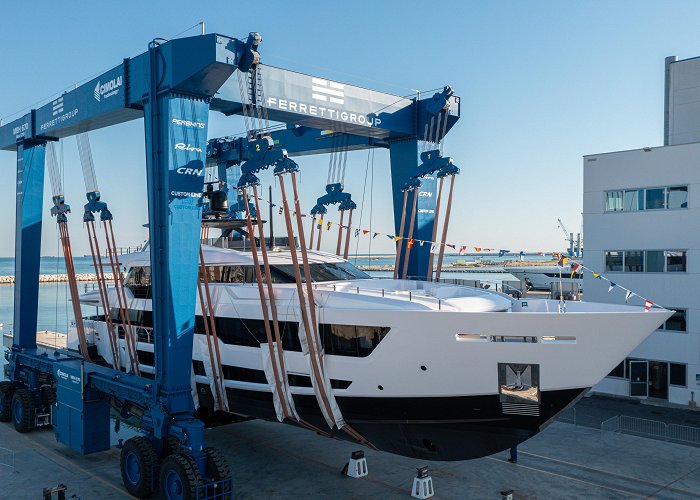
433 428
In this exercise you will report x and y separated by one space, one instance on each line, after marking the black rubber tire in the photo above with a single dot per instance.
171 445
141 450
26 401
48 395
6 392
184 469
218 467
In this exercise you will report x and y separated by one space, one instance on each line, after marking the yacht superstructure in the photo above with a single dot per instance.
421 369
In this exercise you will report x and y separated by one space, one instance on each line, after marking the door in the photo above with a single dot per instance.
639 379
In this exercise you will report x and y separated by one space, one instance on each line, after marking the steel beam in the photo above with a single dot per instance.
30 197
404 157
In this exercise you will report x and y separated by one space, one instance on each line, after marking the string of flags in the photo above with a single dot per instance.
575 267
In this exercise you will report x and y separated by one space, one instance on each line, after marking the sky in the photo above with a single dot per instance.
542 83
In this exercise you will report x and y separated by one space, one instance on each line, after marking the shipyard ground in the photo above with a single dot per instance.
276 461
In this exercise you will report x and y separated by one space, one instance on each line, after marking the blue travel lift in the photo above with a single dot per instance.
173 86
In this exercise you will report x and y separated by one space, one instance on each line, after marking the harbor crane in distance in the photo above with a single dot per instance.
173 86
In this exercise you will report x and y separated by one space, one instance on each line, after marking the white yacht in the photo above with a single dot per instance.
542 277
427 370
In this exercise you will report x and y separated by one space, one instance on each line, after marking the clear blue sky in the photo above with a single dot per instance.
542 83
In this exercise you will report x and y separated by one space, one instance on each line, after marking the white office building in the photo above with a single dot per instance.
642 229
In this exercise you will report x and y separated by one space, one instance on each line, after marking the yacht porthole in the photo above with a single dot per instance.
380 387
422 367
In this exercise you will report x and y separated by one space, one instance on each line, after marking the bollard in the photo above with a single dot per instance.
422 484
357 467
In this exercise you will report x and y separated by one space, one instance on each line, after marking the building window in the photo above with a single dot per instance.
634 261
653 198
676 323
650 261
618 371
675 262
677 374
634 200
678 197
613 201
613 261
655 261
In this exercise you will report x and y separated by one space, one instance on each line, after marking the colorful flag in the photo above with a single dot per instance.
320 222
281 210
420 242
453 247
375 235
628 295
501 253
410 243
477 249
540 253
612 285
462 250
328 226
397 238
596 275
390 236
434 248
574 269
561 260
647 305
357 233
364 231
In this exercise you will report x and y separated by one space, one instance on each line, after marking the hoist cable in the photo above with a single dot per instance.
444 229
129 337
87 162
104 299
400 235
362 203
347 235
279 387
340 233
214 369
436 219
409 239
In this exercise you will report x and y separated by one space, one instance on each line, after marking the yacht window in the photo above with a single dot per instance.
352 340
251 332
138 280
678 197
613 261
336 271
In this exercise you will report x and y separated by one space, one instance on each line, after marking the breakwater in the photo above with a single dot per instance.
57 278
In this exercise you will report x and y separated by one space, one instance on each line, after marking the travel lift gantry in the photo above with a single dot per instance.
173 86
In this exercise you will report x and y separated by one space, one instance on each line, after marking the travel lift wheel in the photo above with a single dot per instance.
219 469
138 462
179 477
6 392
23 409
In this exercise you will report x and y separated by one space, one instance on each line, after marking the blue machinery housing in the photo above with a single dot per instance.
173 86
